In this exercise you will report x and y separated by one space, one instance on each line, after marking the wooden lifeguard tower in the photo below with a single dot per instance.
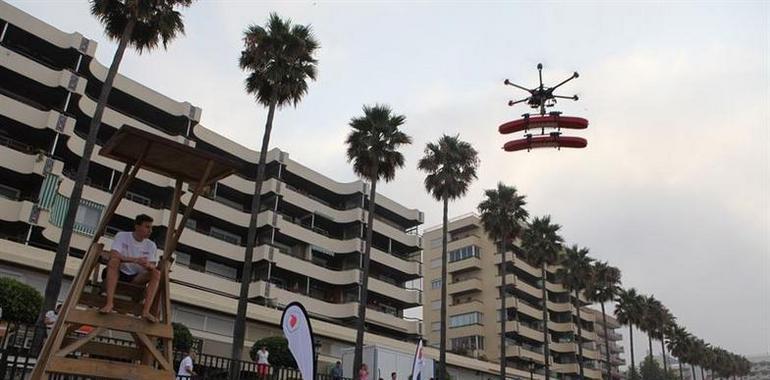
151 355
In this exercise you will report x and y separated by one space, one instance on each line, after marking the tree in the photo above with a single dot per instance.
183 339
648 322
543 244
575 273
19 302
503 215
278 347
279 60
603 286
451 166
628 312
143 25
679 346
650 370
372 147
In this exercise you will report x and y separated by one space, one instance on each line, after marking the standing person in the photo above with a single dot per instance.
50 318
393 376
185 371
263 364
337 371
363 372
134 259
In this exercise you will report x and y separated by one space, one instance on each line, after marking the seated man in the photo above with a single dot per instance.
133 259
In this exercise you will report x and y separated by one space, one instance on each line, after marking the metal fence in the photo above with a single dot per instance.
17 359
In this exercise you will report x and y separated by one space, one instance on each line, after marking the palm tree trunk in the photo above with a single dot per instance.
579 336
663 350
606 343
631 337
503 310
681 370
442 344
53 286
702 374
239 329
692 367
649 338
546 335
359 351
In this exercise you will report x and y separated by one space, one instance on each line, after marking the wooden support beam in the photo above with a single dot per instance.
72 347
106 369
150 346
115 321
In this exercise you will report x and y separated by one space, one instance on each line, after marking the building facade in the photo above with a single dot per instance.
615 344
760 367
473 310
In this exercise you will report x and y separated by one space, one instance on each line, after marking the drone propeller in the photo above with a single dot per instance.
509 83
542 96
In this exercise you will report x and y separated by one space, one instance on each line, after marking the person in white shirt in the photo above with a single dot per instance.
50 318
134 259
185 371
263 365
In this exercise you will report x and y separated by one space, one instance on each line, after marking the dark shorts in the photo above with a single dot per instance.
122 277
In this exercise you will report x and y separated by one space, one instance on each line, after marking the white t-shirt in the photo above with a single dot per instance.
51 317
183 365
127 246
262 357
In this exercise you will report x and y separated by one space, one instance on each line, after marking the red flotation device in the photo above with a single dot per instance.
553 140
540 122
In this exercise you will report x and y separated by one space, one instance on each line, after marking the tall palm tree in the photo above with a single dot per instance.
143 25
373 149
679 346
666 321
603 287
648 323
502 215
575 273
628 311
450 164
279 60
542 244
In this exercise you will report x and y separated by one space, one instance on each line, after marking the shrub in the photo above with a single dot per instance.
183 338
20 302
278 347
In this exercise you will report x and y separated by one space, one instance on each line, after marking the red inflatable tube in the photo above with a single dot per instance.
545 142
549 121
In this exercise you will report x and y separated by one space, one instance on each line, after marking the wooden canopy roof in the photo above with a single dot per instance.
166 157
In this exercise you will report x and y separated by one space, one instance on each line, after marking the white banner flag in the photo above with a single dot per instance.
299 334
419 363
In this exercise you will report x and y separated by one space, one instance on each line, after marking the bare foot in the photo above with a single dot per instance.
106 309
149 318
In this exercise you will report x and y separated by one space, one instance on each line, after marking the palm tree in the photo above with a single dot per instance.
666 321
650 307
628 312
451 166
143 25
603 287
502 215
574 273
542 244
278 59
373 149
678 345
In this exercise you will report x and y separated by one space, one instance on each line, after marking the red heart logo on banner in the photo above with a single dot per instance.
292 321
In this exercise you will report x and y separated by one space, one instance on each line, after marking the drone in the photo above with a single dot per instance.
542 97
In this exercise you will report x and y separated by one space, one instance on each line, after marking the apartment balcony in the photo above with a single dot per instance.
561 307
530 331
413 297
526 353
21 162
592 373
464 307
12 210
40 73
519 263
464 286
591 354
564 347
565 367
470 263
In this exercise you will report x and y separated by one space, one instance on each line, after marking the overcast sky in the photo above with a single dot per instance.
672 189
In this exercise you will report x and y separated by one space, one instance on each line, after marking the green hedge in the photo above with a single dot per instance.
20 302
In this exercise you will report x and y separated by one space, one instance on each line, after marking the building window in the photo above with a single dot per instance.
224 235
435 243
141 199
473 342
435 305
435 284
219 269
182 258
87 216
464 253
435 326
9 192
472 318
435 263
